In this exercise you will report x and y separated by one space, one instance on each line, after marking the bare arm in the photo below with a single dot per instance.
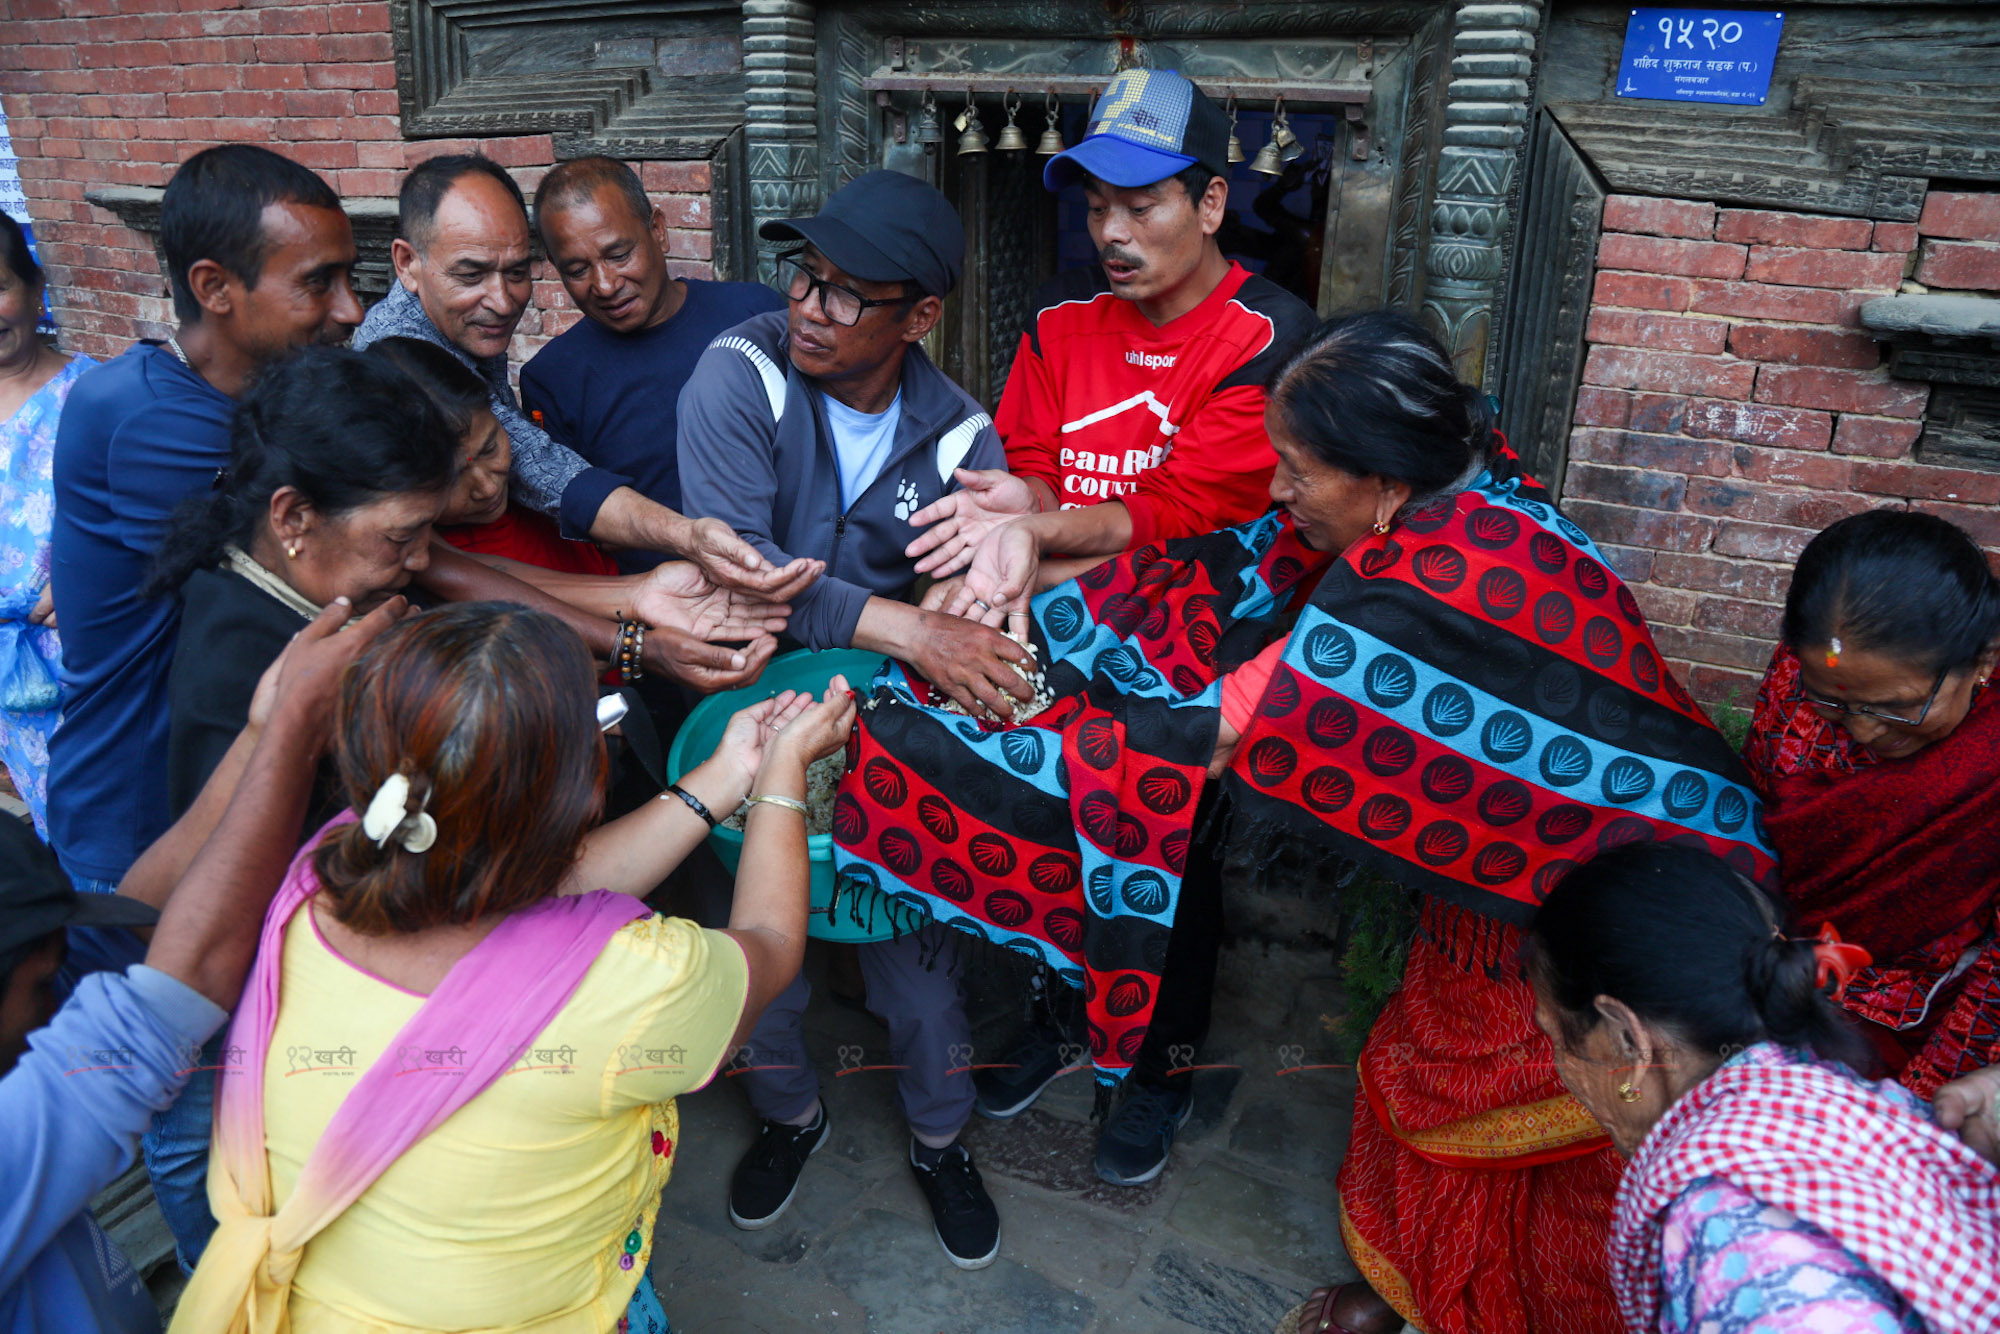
773 880
633 853
457 577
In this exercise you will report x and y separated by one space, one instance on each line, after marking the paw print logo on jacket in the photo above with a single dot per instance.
906 499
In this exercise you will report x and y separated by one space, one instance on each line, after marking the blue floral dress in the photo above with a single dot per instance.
30 655
1730 1264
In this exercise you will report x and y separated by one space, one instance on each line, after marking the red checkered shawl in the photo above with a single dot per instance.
1855 1160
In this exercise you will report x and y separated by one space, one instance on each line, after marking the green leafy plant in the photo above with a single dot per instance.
1732 718
1381 918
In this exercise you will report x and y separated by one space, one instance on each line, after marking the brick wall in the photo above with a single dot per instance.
117 92
1732 406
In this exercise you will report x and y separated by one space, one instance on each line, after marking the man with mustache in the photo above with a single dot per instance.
463 282
1134 413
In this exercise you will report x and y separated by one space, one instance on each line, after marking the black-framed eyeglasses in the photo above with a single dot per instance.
1839 709
843 305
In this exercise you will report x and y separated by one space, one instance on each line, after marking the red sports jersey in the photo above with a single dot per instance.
1102 405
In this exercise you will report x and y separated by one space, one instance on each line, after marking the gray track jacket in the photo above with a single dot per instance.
756 452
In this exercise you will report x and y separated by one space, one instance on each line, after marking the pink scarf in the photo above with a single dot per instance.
491 1006
1903 1197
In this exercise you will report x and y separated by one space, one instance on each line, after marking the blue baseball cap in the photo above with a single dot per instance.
1149 125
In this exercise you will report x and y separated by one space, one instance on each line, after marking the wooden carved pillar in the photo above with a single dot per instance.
780 127
1486 118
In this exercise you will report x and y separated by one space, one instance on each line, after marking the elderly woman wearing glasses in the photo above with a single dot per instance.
1877 748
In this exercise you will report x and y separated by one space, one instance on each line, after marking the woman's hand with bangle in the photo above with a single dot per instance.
810 734
739 756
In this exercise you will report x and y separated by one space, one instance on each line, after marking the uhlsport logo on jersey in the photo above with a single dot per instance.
1152 361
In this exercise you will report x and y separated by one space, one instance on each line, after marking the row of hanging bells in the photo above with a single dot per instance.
972 138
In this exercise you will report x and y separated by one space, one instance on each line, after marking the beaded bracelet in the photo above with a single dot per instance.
630 657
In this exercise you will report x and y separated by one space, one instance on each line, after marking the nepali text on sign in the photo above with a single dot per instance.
1700 55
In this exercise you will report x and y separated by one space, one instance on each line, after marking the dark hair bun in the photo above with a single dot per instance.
1688 944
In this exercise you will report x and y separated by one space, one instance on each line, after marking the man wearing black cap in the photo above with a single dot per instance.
79 1084
1134 413
818 433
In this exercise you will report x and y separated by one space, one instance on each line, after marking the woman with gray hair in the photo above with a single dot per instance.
1413 662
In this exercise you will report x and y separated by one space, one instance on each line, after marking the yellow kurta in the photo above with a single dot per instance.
532 1207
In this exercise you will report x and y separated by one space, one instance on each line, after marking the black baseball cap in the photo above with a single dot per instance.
36 897
884 227
1149 125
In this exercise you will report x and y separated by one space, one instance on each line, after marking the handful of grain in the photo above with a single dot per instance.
822 780
1034 676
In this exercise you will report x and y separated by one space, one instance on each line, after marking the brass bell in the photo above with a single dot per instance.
972 135
1235 153
1052 140
1011 139
1284 145
928 132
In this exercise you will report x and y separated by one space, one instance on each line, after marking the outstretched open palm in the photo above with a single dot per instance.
954 525
678 595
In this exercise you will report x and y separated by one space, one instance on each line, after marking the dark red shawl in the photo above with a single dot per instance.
1894 853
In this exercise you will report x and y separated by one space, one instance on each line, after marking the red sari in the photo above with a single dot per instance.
1902 857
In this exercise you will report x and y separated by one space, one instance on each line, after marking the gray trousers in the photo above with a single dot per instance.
930 1042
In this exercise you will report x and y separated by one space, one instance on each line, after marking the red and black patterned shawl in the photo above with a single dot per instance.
1471 702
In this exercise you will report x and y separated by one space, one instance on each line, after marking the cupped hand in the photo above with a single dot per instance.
703 666
730 562
956 524
303 684
1970 1105
679 595
1001 578
816 730
740 753
972 663
44 610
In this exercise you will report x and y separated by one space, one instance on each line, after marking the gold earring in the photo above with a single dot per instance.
1626 1093
291 551
1381 527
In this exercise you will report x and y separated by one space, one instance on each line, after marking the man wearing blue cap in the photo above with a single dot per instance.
1135 408
817 432
1134 413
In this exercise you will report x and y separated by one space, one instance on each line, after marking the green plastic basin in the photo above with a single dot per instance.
871 915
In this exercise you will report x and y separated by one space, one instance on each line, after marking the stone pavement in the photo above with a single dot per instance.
1242 1224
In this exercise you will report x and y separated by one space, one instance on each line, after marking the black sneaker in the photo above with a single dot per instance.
1039 1059
768 1176
968 1226
1132 1147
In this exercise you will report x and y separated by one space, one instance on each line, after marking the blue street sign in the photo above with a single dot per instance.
1700 55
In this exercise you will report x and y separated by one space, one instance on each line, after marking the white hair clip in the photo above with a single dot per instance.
388 816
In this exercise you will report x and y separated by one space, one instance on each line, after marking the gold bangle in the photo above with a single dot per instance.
789 803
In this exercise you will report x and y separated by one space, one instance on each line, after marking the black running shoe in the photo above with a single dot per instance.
768 1176
1041 1058
968 1226
1132 1147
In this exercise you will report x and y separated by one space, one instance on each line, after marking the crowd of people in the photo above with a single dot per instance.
314 638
